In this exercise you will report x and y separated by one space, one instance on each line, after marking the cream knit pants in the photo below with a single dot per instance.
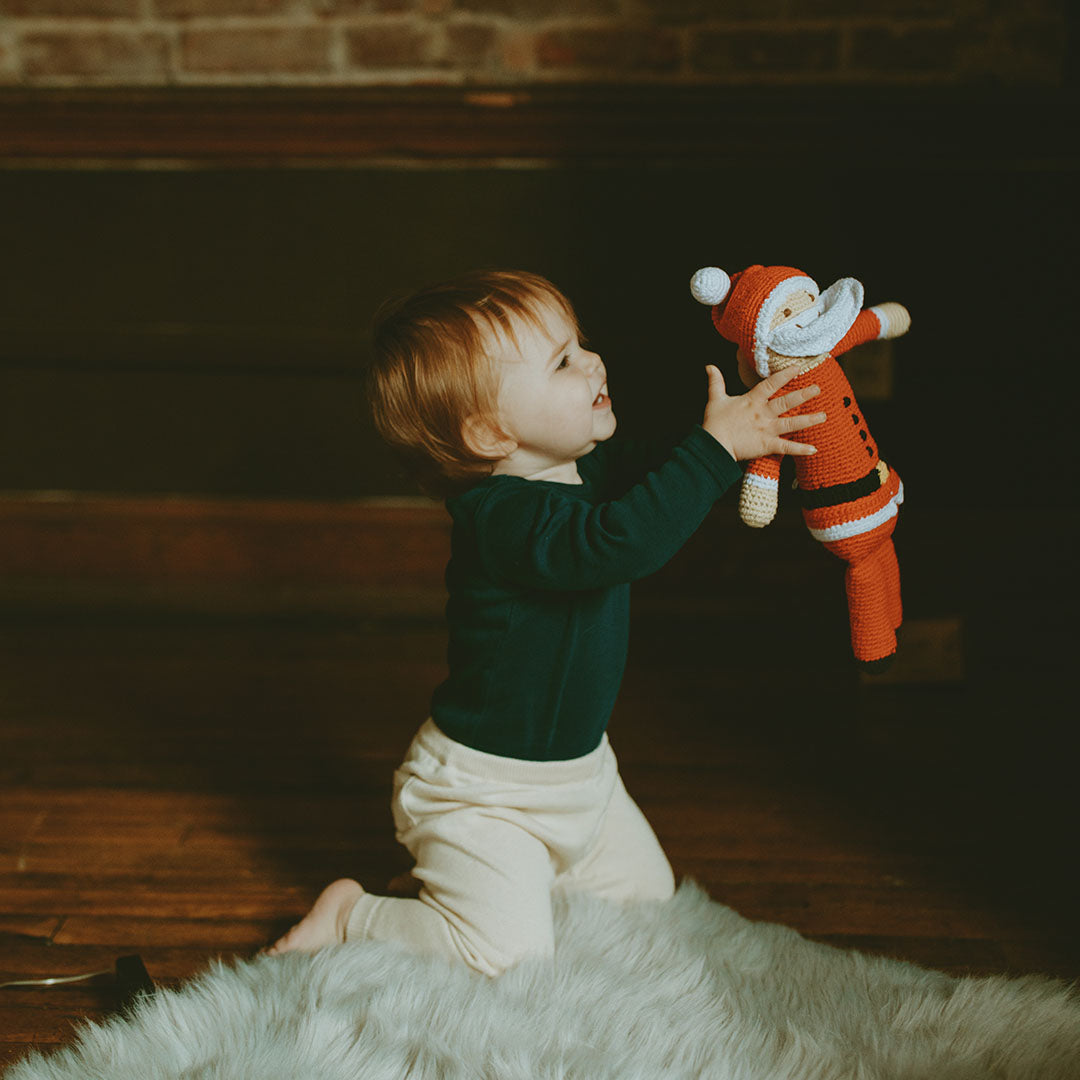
494 838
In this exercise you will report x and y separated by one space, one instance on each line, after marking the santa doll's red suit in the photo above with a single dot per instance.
778 316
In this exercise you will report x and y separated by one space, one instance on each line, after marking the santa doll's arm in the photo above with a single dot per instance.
760 491
888 320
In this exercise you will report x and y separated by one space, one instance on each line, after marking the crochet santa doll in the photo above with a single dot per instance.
778 317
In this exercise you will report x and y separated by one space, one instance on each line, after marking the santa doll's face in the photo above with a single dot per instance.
794 304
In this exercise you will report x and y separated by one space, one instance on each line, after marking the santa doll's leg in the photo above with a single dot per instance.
860 533
890 572
873 635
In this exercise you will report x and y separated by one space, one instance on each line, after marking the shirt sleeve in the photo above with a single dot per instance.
616 465
535 536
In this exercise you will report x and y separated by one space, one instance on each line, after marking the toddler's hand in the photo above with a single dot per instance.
750 425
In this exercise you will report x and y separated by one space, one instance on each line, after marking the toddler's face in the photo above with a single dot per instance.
553 399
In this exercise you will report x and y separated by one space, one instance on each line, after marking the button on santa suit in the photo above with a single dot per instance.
850 497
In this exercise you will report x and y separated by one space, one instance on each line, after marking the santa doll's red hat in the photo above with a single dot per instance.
743 311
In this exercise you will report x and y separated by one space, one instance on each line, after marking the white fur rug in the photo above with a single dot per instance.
677 990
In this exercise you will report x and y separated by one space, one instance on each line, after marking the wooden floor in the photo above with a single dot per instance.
181 786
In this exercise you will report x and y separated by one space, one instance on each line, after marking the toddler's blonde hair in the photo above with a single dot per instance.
434 368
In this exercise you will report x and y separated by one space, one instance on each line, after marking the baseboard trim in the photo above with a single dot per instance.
542 123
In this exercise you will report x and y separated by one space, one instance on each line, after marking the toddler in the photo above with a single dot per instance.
510 792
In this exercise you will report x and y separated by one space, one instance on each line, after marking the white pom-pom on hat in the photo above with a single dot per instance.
710 285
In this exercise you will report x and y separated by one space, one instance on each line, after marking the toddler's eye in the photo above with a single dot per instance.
564 362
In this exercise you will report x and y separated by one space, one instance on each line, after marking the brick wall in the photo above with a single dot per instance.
394 42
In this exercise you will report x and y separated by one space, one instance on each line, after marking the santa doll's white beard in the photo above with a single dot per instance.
816 330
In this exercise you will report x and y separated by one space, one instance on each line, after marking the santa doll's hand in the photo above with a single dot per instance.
757 502
895 319
751 425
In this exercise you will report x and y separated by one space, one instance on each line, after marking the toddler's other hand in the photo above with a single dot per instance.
751 425
747 371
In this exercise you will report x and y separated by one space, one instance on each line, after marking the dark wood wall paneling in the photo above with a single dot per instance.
212 343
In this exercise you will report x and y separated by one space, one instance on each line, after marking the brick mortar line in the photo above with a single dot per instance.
77 26
436 76
174 55
448 76
247 22
338 29
15 32
389 77
338 52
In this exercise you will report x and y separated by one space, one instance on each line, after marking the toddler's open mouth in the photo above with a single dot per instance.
602 400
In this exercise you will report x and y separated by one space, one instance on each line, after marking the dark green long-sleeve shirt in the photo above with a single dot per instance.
539 591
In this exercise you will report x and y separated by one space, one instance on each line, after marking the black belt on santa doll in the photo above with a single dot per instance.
815 498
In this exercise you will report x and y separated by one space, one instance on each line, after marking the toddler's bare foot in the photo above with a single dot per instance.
325 923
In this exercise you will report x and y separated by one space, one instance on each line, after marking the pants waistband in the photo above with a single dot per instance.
479 763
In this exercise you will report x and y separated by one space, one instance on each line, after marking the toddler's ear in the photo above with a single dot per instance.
485 439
